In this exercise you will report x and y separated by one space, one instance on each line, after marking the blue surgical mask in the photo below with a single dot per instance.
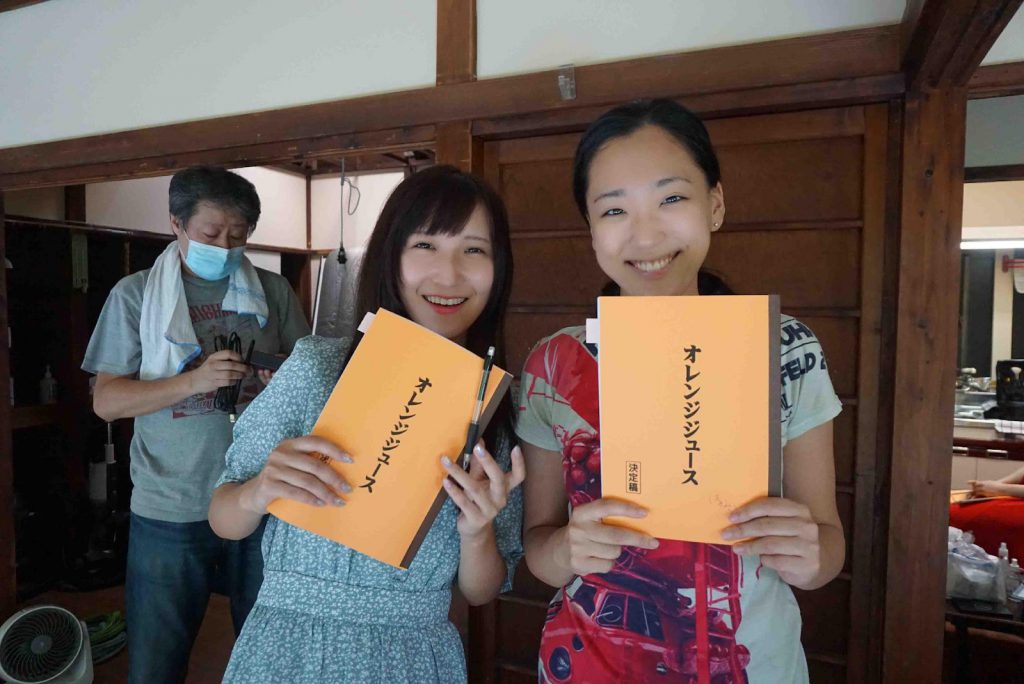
210 262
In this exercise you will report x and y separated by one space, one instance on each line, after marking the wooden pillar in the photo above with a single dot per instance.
305 286
8 581
934 122
456 63
308 298
456 41
945 41
454 144
309 209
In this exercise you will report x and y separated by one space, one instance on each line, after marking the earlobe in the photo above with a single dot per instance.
717 207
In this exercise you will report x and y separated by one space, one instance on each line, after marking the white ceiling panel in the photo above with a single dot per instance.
531 35
1009 46
82 67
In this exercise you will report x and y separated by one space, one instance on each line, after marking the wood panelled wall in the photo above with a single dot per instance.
805 218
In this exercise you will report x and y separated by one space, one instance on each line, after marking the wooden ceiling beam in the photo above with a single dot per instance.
295 168
988 174
997 80
335 146
456 41
836 57
946 40
373 162
321 166
710 105
370 163
8 5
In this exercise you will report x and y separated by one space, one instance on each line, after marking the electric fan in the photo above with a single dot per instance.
45 644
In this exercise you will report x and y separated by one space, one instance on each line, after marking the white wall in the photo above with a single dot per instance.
268 260
70 68
532 35
283 207
47 203
141 204
995 131
994 205
138 204
1009 46
326 208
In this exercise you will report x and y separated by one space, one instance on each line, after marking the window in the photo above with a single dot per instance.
612 611
584 598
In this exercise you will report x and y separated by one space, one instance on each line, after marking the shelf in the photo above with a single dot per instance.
35 415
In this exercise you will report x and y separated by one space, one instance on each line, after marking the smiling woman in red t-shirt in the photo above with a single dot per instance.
647 181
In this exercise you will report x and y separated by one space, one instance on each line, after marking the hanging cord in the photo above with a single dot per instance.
338 277
351 209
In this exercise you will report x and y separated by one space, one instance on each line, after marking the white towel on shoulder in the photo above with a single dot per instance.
165 327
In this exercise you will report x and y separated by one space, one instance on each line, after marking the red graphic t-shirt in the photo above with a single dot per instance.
684 612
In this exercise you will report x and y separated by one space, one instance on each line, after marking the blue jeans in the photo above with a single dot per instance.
172 569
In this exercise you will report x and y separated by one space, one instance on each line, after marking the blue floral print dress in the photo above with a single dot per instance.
326 613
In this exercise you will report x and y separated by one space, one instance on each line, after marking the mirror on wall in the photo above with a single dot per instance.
992 275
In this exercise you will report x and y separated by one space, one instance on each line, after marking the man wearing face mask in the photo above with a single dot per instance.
156 356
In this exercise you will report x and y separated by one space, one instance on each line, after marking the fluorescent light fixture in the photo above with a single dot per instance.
992 244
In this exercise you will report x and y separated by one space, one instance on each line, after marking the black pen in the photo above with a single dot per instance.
233 414
474 426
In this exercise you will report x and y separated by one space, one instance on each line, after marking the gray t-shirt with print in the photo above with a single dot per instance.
177 453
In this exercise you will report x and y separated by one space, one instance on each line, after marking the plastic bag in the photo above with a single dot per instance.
971 573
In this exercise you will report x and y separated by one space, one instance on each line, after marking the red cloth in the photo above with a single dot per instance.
992 522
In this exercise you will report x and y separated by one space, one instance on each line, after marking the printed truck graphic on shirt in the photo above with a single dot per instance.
639 621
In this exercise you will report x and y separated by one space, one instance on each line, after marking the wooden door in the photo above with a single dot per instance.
806 211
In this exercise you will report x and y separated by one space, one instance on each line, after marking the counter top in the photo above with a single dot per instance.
975 429
979 439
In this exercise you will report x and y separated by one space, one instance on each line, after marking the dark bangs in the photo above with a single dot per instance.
624 120
437 201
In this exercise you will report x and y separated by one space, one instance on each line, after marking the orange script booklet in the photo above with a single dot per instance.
405 399
690 409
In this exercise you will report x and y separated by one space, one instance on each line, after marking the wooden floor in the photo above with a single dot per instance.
996 657
209 655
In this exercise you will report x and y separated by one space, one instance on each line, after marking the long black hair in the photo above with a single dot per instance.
624 120
671 117
439 201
